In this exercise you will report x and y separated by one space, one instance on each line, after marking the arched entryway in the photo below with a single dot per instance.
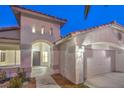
41 58
41 54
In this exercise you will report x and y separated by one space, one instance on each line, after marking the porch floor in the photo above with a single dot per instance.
43 77
108 80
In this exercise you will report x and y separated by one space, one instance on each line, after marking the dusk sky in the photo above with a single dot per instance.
74 14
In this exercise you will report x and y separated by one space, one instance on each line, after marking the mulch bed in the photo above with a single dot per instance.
64 83
31 83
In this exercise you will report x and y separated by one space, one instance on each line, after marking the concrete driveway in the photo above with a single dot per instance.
108 80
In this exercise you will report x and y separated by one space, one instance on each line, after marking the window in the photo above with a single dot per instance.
119 36
45 56
2 56
42 30
33 29
51 31
9 57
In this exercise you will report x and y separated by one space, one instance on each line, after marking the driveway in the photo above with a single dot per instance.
108 80
43 77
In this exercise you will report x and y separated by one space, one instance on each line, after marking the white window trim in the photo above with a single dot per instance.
1 56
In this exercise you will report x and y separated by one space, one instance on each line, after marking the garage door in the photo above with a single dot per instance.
120 61
97 63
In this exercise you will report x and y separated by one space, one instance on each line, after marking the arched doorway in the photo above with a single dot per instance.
41 54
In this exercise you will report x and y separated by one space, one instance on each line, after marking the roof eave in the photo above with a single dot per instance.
9 29
63 39
35 13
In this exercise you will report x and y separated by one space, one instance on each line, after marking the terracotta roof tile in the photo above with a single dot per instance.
95 27
89 30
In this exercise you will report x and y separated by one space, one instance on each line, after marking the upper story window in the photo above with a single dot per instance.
42 30
33 29
51 31
119 35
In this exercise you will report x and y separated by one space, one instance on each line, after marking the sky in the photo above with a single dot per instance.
98 15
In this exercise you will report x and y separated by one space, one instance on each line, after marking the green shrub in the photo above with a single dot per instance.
21 74
16 82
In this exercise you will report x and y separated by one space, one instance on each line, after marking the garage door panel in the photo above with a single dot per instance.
120 61
97 64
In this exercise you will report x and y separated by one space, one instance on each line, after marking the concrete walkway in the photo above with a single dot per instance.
108 80
43 78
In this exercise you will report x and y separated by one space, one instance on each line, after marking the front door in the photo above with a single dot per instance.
36 58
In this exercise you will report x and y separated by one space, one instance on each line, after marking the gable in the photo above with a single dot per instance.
37 15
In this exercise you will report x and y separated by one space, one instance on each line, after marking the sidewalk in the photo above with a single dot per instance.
43 78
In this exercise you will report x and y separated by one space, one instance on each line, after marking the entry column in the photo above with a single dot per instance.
26 58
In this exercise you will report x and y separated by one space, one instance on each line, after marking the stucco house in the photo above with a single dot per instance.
31 43
87 53
81 55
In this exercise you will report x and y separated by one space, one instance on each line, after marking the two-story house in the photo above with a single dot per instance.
30 44
36 42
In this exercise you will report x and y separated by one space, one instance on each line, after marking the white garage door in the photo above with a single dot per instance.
120 61
97 63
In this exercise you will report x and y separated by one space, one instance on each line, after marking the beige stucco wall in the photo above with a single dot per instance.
79 62
28 38
119 54
103 43
103 34
38 25
67 60
56 59
71 61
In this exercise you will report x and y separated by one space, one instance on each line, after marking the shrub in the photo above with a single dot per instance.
21 74
16 82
